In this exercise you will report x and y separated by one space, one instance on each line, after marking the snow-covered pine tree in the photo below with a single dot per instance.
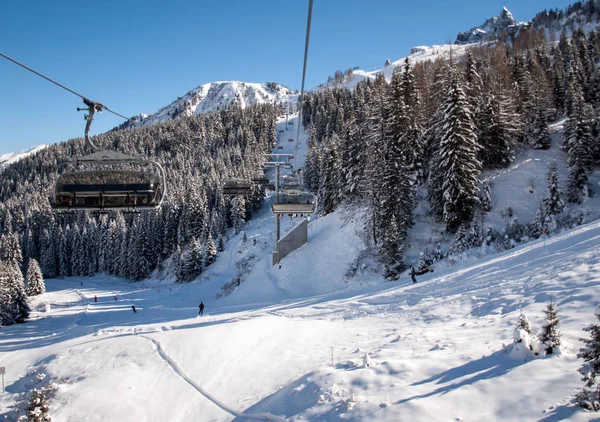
193 262
6 316
312 165
211 251
35 281
553 203
376 142
21 306
238 213
48 255
524 323
38 409
392 251
330 187
499 132
461 241
64 253
589 397
455 166
220 244
579 144
485 197
537 134
550 336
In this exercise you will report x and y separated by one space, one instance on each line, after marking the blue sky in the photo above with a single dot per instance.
137 56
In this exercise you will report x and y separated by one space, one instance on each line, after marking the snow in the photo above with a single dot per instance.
418 54
218 95
434 348
13 157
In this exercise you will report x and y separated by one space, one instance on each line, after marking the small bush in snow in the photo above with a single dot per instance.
524 324
589 397
550 336
37 410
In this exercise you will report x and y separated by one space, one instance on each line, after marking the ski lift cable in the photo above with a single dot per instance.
85 100
310 6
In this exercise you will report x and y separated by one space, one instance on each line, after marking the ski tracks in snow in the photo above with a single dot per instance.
165 357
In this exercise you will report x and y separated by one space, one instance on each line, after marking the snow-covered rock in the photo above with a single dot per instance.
504 23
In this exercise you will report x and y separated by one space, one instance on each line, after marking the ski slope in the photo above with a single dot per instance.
436 347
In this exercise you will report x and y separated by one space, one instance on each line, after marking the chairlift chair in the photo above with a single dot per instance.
261 180
108 189
285 203
237 187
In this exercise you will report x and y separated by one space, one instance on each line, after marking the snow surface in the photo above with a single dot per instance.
435 348
291 342
418 54
13 157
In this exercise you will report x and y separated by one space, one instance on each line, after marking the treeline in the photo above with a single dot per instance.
440 124
198 153
578 13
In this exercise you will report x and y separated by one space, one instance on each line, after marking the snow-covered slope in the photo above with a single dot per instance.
13 157
215 96
436 348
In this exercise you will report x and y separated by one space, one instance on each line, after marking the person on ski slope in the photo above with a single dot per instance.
412 274
201 306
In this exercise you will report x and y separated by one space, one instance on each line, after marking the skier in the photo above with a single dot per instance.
201 308
95 298
133 308
412 274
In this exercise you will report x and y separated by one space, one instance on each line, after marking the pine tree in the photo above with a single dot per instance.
312 166
211 251
6 314
392 251
579 143
538 134
238 213
552 204
21 306
48 256
589 397
38 409
330 180
550 336
524 324
499 132
485 200
35 281
455 167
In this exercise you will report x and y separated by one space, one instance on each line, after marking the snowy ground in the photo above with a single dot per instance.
435 347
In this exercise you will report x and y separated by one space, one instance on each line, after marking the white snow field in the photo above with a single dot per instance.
435 348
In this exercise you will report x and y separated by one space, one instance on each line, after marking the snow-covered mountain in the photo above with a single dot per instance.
504 24
214 96
13 157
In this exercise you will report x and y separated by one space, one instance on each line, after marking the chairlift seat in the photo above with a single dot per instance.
106 189
237 187
303 203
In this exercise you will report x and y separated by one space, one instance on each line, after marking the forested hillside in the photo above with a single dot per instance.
438 125
198 153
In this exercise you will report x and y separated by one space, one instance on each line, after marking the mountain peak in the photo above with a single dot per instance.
214 96
505 22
